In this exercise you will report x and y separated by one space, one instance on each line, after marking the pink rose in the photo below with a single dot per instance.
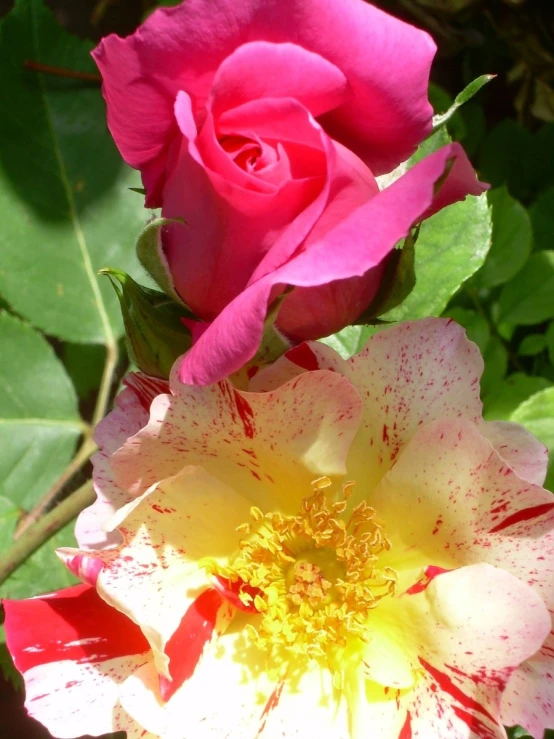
263 124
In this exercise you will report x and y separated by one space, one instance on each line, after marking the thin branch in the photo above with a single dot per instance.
112 358
87 448
44 529
62 72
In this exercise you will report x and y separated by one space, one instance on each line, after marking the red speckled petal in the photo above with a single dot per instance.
154 576
466 505
268 446
456 396
74 652
518 448
407 375
129 415
469 629
529 697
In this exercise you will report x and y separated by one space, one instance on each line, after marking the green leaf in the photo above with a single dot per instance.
43 571
506 157
532 345
350 340
542 218
466 94
397 282
472 118
84 364
496 364
432 143
476 325
39 422
537 415
529 297
154 331
7 667
517 732
503 399
549 338
64 198
451 246
512 239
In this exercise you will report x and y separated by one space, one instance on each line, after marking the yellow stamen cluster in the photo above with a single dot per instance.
316 573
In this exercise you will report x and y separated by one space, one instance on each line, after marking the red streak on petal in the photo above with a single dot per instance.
476 726
303 356
446 684
146 388
85 567
246 414
185 647
406 730
73 624
430 573
528 514
230 591
273 702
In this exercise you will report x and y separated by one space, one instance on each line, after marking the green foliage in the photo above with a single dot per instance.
39 421
528 299
397 283
512 239
63 188
350 340
506 396
84 363
463 97
537 415
542 218
154 329
151 256
42 572
451 246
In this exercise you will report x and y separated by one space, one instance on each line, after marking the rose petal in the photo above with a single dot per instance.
128 416
371 231
528 700
154 577
269 446
225 696
385 116
74 652
266 70
519 448
407 375
469 629
244 224
466 506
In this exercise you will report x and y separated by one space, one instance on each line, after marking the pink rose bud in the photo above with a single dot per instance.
263 124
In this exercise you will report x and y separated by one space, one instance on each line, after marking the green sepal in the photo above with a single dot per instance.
151 256
154 330
397 282
466 94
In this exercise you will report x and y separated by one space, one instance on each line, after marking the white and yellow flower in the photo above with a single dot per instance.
347 550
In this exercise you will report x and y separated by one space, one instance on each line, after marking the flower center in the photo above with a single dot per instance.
246 153
313 577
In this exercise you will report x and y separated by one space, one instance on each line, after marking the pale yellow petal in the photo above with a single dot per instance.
269 447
